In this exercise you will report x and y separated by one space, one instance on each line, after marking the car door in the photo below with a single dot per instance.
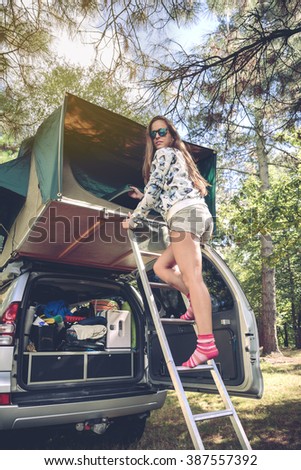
234 328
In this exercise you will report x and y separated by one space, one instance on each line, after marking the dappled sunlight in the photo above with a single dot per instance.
274 422
75 121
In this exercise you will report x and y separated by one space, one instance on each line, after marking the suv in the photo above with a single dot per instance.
48 378
77 342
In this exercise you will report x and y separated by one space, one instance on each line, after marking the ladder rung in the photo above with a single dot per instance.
159 285
149 253
177 320
192 369
212 415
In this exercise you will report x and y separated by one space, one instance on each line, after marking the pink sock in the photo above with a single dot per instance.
188 315
205 350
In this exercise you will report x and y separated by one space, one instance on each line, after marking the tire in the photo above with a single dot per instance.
126 430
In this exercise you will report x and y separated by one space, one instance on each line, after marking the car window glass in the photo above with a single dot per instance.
220 293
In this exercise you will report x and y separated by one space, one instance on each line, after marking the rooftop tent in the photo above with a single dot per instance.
14 176
116 148
83 159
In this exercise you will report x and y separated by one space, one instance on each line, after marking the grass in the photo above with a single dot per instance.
274 422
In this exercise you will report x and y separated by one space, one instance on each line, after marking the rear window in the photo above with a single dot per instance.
74 292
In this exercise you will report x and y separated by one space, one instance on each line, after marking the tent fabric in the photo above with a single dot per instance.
103 149
105 152
55 197
207 168
11 204
14 175
47 153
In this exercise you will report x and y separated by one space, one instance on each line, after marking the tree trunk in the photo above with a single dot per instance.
268 332
285 342
298 333
296 316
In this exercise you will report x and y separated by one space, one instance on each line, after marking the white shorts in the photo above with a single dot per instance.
195 219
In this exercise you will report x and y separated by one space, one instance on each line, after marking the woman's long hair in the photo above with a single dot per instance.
198 181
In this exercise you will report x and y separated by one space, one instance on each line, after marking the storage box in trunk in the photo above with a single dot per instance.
62 367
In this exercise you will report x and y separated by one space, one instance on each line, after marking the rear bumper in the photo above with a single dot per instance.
20 417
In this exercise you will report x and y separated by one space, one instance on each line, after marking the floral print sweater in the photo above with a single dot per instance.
168 184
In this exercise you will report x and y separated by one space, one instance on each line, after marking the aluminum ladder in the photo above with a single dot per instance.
174 370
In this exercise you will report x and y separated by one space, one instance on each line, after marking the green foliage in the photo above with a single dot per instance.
28 106
253 58
121 30
277 211
8 149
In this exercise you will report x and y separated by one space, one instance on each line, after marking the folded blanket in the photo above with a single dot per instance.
88 331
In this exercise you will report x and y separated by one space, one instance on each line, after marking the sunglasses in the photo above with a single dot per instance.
162 132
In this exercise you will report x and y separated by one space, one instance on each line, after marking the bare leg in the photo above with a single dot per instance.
167 270
188 256
181 266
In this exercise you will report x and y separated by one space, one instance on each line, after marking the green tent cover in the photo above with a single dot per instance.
103 149
14 176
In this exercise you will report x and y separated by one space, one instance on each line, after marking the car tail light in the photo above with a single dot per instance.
5 399
8 324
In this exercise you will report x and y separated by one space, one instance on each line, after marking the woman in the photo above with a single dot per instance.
176 190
